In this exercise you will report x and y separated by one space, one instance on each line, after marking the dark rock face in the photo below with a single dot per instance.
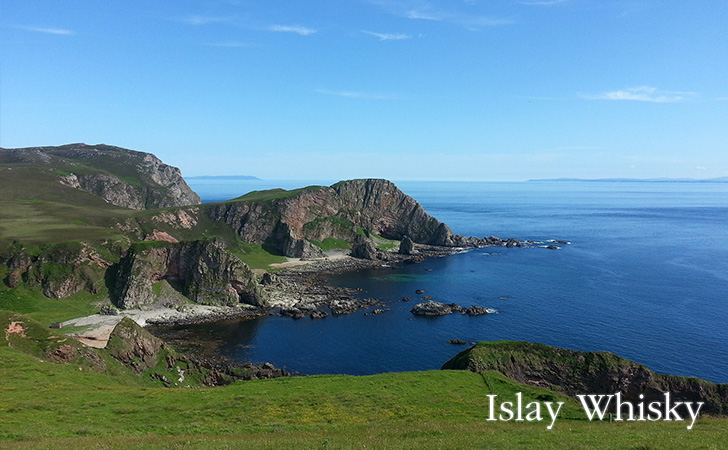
203 270
379 206
316 213
431 309
575 372
363 248
122 177
406 246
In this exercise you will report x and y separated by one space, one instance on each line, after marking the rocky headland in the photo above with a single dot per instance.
577 372
122 177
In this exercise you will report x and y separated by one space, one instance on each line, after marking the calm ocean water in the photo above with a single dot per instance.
646 277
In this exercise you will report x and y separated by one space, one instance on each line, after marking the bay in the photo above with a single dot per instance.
646 277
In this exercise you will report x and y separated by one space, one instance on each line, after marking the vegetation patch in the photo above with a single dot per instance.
257 256
331 244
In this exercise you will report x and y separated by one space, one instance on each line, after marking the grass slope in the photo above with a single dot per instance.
44 405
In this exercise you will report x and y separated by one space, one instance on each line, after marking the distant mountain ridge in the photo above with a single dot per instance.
638 180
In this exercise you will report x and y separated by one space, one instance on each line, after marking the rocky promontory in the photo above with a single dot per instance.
577 372
353 211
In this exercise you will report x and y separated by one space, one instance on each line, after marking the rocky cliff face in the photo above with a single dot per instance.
379 206
202 270
122 177
575 372
60 270
289 220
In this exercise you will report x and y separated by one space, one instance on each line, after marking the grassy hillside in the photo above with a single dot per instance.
45 405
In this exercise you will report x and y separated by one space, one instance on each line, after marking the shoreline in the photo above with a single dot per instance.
297 290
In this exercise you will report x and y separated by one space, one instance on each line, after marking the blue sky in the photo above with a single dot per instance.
401 89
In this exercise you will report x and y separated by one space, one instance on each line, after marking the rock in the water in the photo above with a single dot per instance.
340 307
431 308
406 299
293 313
476 311
455 307
318 314
406 246
458 342
375 312
419 291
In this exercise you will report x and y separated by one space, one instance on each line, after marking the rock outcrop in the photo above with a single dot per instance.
122 177
201 270
288 220
364 248
576 372
406 246
59 270
431 308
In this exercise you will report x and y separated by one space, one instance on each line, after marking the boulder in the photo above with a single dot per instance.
406 246
431 308
363 248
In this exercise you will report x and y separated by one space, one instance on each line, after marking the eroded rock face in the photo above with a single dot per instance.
203 271
340 211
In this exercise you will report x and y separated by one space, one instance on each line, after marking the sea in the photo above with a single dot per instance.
645 276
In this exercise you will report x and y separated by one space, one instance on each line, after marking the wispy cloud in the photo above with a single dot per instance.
358 95
424 10
298 29
424 13
203 20
389 36
644 94
57 31
544 2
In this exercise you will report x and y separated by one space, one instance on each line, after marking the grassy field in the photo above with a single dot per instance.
48 310
44 405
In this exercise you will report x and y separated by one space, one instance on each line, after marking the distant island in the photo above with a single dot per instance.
639 180
224 177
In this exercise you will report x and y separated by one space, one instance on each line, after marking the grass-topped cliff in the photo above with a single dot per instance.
576 372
